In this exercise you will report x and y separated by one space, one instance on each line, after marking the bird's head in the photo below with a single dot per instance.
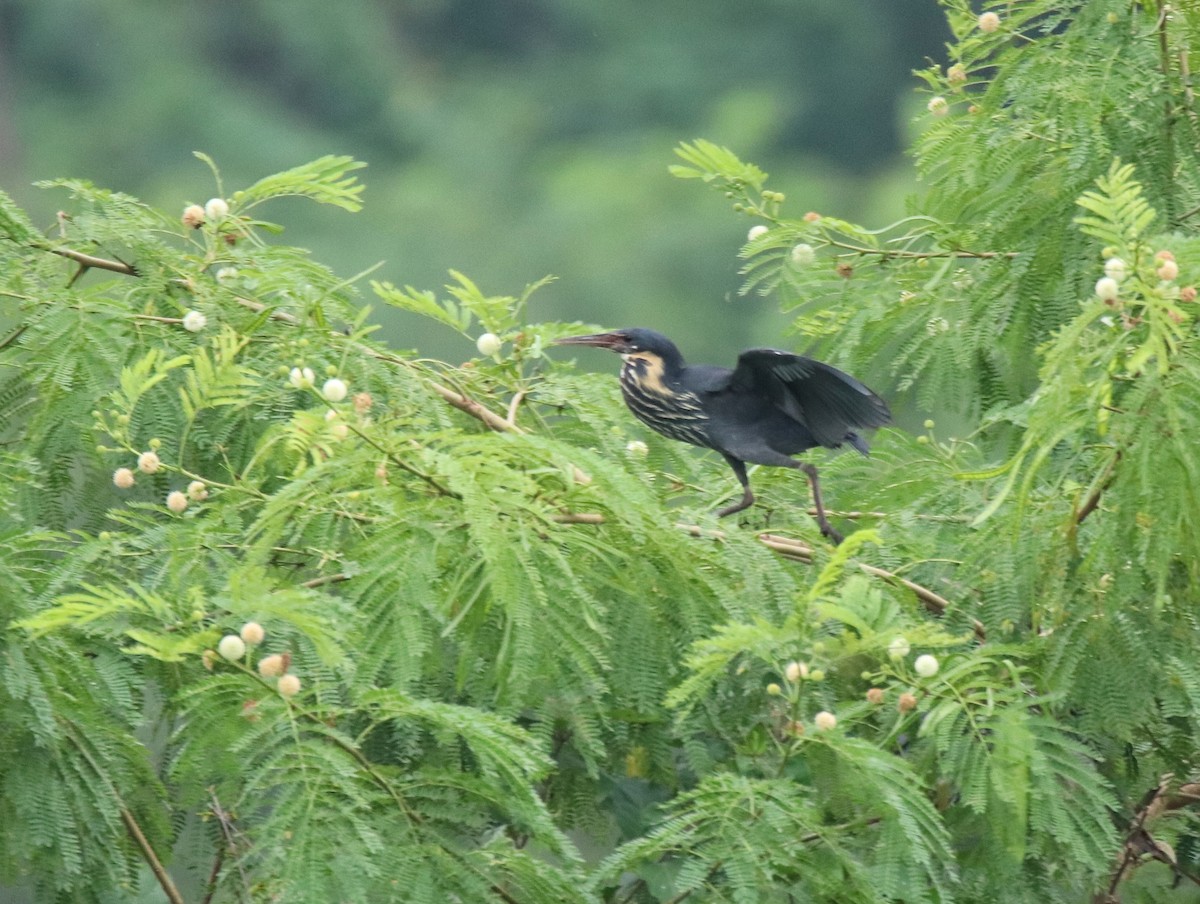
634 341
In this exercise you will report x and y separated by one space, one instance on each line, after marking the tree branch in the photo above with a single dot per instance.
156 867
1103 482
131 824
89 261
889 253
1139 843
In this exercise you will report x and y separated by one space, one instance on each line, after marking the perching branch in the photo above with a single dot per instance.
800 552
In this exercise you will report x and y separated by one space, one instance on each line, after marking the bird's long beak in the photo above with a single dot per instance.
612 341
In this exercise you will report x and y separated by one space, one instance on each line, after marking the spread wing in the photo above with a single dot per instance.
829 403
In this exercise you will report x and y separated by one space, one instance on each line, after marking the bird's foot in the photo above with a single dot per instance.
833 535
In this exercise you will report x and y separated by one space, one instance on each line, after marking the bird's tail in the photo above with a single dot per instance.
858 443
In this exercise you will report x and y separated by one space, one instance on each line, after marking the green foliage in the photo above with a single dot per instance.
494 665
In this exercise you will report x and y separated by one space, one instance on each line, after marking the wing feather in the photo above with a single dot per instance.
830 403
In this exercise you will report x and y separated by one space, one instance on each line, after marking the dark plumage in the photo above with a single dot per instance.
771 406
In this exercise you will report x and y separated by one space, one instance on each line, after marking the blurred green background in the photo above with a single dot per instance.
508 139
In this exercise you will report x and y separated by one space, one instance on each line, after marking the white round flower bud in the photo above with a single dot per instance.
756 232
898 648
271 666
488 344
1114 268
637 448
231 647
148 462
216 209
123 478
938 106
302 377
227 275
194 321
252 632
825 721
1107 288
989 22
334 390
289 686
926 666
803 254
197 491
340 431
1168 270
177 501
794 671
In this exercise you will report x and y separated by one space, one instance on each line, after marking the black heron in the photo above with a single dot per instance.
771 406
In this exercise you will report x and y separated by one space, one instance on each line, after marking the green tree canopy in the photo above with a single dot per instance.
292 613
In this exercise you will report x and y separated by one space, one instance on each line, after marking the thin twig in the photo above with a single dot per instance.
156 867
1138 840
89 260
934 603
127 817
578 518
513 405
326 579
1102 483
800 552
229 833
214 874
887 253
13 336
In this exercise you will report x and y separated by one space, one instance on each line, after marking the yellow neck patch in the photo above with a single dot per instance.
649 372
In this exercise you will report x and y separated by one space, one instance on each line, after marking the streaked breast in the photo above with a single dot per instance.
675 414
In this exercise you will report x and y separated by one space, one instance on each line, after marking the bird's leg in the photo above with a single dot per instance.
747 500
822 521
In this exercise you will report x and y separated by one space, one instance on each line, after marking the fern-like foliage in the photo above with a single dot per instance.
432 633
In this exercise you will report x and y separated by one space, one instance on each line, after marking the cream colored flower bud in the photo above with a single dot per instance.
193 216
302 377
148 462
194 321
231 647
334 390
926 666
289 686
488 344
253 633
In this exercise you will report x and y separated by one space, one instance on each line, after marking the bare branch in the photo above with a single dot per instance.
87 261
